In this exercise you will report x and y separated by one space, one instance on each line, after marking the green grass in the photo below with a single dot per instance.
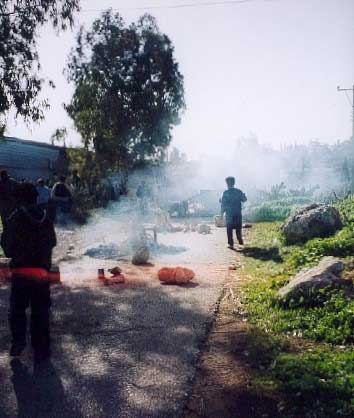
313 382
316 381
331 321
319 383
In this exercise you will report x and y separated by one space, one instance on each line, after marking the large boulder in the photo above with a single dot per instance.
310 222
305 285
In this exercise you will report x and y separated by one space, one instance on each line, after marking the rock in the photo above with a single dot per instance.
307 283
141 255
310 222
219 221
247 225
175 275
115 271
204 229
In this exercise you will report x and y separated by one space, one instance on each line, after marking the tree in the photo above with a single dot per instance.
128 89
59 136
20 83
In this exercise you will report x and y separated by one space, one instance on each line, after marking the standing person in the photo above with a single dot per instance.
231 205
143 194
7 199
28 241
62 196
76 180
44 194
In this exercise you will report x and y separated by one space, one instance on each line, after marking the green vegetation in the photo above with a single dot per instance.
275 210
308 349
128 90
21 80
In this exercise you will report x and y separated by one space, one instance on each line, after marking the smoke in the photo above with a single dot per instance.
256 167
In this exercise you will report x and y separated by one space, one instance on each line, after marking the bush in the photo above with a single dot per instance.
275 210
340 245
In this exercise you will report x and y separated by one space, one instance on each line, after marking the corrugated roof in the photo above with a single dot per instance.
20 153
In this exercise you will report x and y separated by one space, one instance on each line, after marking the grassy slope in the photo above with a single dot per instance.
308 351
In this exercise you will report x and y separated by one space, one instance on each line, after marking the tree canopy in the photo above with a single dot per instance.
128 89
20 83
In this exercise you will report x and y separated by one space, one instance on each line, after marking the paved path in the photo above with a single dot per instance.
120 351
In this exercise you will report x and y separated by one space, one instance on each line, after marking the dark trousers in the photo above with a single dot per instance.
26 292
234 223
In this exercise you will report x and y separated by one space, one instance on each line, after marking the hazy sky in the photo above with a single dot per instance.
266 66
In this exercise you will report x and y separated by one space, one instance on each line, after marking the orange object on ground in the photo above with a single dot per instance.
175 275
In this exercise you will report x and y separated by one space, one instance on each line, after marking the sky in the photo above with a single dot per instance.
270 67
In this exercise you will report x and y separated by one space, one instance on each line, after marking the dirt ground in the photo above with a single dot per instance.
140 349
223 385
118 351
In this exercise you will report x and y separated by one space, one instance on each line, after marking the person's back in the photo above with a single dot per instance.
61 190
7 201
231 206
28 241
232 201
30 238
62 198
44 194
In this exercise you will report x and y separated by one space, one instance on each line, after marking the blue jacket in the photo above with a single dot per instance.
231 204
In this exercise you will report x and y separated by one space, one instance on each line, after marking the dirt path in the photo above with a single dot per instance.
223 385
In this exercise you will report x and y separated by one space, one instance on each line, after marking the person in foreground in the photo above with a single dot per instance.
28 241
231 205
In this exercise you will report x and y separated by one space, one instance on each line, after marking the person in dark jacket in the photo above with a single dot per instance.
7 201
231 205
62 198
28 241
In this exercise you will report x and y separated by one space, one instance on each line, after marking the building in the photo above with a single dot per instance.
29 159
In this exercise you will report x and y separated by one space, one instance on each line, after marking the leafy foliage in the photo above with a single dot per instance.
275 210
331 321
59 136
315 379
128 88
340 245
317 384
20 83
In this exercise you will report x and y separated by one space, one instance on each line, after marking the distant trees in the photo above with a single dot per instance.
128 89
59 136
20 83
329 166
